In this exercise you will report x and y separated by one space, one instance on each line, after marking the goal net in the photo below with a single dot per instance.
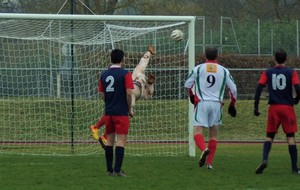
50 66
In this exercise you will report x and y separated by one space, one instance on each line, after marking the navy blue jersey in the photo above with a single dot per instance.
114 82
280 81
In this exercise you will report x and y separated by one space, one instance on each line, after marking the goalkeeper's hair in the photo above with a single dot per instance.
117 56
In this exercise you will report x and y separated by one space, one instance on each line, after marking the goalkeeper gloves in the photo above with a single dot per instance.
232 110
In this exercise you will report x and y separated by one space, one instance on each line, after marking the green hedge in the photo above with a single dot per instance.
238 61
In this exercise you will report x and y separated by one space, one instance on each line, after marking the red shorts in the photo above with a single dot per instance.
117 124
284 115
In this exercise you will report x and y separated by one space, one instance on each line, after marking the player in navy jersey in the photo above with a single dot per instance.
280 81
115 87
209 81
143 89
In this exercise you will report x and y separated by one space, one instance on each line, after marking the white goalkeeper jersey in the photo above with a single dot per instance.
210 81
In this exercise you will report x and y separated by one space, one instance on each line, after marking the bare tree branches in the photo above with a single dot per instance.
213 9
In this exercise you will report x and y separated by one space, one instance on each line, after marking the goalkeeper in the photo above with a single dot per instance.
209 80
143 89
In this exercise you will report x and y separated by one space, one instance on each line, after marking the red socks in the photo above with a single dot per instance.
199 141
212 146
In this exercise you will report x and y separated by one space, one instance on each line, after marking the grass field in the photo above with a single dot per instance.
234 168
234 163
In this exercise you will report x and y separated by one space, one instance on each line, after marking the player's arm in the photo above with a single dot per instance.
102 96
189 83
295 81
258 91
192 96
297 90
261 84
100 89
232 90
233 94
129 86
129 101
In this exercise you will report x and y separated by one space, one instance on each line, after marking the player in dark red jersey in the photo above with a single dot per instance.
115 87
280 81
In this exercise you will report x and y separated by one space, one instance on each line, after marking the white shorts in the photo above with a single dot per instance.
208 114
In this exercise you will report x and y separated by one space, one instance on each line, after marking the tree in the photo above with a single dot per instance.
10 6
58 6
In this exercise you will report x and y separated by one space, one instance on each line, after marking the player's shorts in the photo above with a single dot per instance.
208 114
117 124
284 115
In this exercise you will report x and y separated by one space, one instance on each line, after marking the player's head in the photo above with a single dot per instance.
116 56
280 56
211 53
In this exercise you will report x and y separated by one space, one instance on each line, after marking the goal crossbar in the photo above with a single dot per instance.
96 17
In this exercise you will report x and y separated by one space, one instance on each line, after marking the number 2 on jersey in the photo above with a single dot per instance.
110 86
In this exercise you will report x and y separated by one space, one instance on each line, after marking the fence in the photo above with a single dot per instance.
42 82
251 37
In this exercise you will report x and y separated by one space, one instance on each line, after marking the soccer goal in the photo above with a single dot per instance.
50 66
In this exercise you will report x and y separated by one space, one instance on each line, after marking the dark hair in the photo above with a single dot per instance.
211 53
117 56
280 56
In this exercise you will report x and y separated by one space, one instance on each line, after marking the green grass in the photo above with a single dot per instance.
234 167
48 120
34 119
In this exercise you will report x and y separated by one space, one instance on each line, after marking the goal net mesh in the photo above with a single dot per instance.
48 85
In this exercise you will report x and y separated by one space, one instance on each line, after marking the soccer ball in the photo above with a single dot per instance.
177 35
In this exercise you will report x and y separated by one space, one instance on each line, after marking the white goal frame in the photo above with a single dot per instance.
190 45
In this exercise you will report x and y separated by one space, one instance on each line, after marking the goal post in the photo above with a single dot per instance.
50 65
